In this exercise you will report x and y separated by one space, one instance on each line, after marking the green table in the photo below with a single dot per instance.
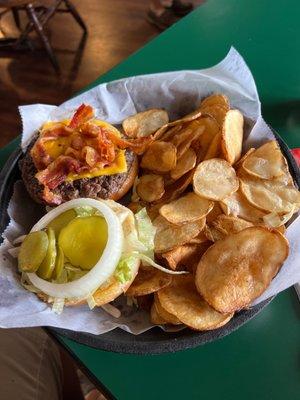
260 360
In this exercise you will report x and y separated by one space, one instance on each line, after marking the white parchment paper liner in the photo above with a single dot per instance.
177 92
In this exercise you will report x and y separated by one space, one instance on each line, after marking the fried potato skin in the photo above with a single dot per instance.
236 270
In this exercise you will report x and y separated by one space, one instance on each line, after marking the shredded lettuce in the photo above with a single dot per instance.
58 305
123 271
146 231
73 273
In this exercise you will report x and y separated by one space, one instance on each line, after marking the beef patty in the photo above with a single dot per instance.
102 187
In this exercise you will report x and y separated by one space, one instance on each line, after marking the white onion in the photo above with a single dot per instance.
105 267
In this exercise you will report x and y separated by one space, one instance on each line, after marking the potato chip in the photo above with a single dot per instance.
216 111
266 162
228 224
232 136
215 179
150 187
184 255
169 236
214 149
236 270
171 132
188 208
174 190
182 300
189 117
164 314
211 129
195 133
145 123
199 239
238 206
160 157
212 233
214 212
239 163
184 164
155 318
217 98
148 281
270 196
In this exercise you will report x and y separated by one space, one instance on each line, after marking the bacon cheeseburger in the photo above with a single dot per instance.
81 157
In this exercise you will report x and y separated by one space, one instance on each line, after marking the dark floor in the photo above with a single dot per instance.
117 28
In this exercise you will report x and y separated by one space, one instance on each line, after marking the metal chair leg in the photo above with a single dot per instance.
40 31
75 14
16 16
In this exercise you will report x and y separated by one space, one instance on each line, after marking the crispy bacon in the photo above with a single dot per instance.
138 145
90 155
40 157
57 171
82 115
50 197
57 130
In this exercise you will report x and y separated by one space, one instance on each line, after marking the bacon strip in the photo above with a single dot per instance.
138 145
57 171
82 115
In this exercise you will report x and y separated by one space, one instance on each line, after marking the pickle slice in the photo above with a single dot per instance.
33 251
83 240
59 263
46 268
62 220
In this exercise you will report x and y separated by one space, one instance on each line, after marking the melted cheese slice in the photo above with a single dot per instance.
57 147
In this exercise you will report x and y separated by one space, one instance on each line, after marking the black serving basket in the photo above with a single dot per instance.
154 341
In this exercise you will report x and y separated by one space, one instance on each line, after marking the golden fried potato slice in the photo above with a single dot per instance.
270 196
148 281
236 270
150 187
169 236
184 255
238 206
214 212
188 208
266 162
184 164
228 224
182 300
214 149
239 163
160 157
211 129
175 189
171 132
217 98
145 123
164 314
217 111
212 233
197 131
155 318
232 136
182 121
215 179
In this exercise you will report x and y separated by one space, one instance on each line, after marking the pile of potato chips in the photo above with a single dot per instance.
219 215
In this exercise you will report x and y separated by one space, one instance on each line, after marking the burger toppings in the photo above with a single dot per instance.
83 244
81 148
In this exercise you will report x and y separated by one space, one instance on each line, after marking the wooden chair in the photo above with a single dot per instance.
38 16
